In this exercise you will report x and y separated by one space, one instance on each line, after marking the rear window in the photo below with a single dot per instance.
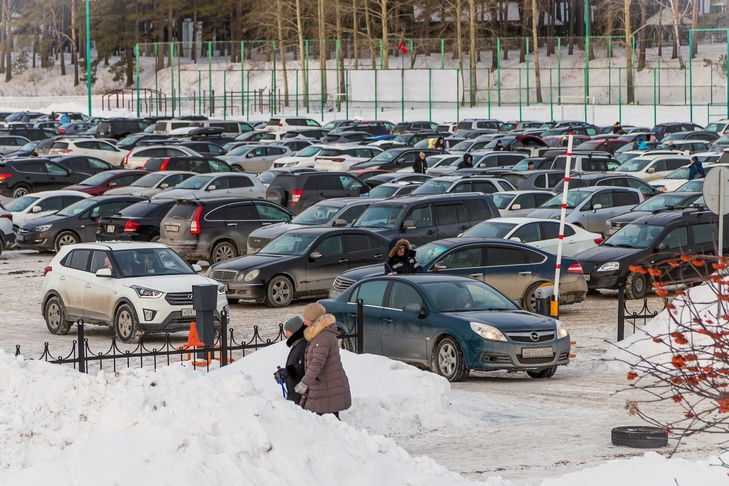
182 211
273 122
287 181
153 165
329 152
60 145
147 208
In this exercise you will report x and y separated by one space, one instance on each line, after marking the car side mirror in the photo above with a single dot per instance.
314 255
196 268
412 308
651 170
515 238
597 206
440 266
409 225
249 155
36 209
164 185
662 247
339 223
104 273
211 187
113 184
515 207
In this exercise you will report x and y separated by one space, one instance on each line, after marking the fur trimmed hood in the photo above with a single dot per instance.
318 326
401 243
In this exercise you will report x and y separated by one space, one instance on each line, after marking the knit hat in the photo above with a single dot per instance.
313 312
293 324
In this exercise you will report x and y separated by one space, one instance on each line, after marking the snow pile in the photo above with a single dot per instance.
176 426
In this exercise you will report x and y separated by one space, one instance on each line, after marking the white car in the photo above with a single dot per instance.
536 232
39 204
11 143
520 203
650 168
7 232
132 287
721 127
152 183
336 158
138 156
92 147
304 158
288 123
220 184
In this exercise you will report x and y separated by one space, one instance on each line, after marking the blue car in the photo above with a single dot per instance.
450 325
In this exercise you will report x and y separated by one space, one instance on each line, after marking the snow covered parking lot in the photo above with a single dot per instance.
491 425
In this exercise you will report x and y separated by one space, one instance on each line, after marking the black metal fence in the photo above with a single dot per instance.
636 315
226 349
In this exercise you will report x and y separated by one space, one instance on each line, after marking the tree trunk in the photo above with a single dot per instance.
550 28
660 32
61 41
355 31
322 52
459 35
74 43
193 47
385 35
370 40
524 23
7 14
643 41
473 87
694 25
282 49
535 50
170 23
676 17
495 27
571 21
302 51
504 24
629 53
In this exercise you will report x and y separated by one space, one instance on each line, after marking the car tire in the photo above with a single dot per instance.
54 313
448 360
20 191
529 301
641 437
636 286
236 168
541 374
154 239
223 251
126 324
65 238
279 292
2 245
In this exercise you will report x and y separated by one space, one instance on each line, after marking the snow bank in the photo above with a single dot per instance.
176 426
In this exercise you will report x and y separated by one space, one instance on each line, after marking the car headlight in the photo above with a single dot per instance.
43 227
252 275
147 293
487 332
221 289
561 330
609 267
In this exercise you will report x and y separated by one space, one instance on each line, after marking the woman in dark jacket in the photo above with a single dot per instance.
401 259
420 165
440 144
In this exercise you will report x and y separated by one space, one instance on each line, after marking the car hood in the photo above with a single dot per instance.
361 273
252 261
628 217
439 171
80 188
516 320
169 283
546 213
49 219
133 191
603 254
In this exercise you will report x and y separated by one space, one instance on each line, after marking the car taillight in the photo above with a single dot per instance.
61 131
598 241
295 196
7 216
195 225
131 226
575 268
5 177
126 158
165 163
46 270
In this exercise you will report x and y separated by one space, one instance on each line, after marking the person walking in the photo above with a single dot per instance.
420 165
293 372
325 386
466 163
401 259
696 169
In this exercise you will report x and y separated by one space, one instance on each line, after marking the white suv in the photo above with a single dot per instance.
132 287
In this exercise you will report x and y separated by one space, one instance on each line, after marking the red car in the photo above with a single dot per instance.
98 184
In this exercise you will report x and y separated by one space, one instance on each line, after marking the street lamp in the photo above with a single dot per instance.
88 58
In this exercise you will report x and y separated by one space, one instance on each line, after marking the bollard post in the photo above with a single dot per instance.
621 313
224 338
204 301
81 346
360 326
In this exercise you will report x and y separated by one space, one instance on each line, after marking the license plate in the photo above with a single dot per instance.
172 227
189 312
536 352
110 228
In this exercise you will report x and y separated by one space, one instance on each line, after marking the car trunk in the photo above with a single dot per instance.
178 225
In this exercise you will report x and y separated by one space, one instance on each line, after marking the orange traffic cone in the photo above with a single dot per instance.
193 340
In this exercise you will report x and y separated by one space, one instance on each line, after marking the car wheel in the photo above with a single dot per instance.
448 360
126 324
236 168
642 437
2 245
280 292
154 239
545 373
54 313
20 191
529 301
636 286
65 238
223 251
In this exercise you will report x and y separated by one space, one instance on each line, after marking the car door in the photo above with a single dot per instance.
241 186
58 176
351 186
464 262
108 153
594 212
240 220
403 333
218 187
99 294
372 293
255 160
321 271
529 234
673 244
49 205
418 226
549 238
361 249
451 219
73 281
522 205
508 270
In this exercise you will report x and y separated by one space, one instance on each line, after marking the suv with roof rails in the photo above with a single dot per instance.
653 240
476 123
608 179
119 128
467 183
394 159
586 163
412 126
421 219
534 179
287 123
297 191
662 129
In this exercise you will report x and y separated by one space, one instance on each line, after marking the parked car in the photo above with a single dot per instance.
33 206
451 325
139 222
217 229
590 162
394 159
663 202
299 263
137 157
694 185
98 184
674 180
478 123
215 185
393 189
403 140
74 224
137 139
254 158
300 159
520 203
152 183
608 179
342 158
31 134
197 164
539 233
481 161
7 233
73 128
662 129
604 144
267 177
287 123
421 219
19 177
534 179
448 184
202 147
11 143
119 128
384 177
135 288
90 147
300 190
83 164
651 168
720 127
590 207
514 269
703 135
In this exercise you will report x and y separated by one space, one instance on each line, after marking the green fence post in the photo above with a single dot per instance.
442 54
520 107
655 98
306 75
498 67
526 58
691 77
551 95
199 92
375 92
225 94
136 65
430 95
210 78
297 92
559 70
242 77
172 77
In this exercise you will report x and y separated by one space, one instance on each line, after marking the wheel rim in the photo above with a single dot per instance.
531 301
124 324
53 315
638 285
66 239
447 359
223 252
20 192
280 292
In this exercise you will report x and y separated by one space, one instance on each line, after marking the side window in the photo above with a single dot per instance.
125 181
422 217
446 214
104 210
257 152
674 164
96 163
479 210
605 199
528 233
402 294
703 233
353 213
241 212
554 179
550 231
218 214
468 258
462 187
269 212
330 246
174 179
676 239
54 169
105 146
51 204
625 198
217 166
659 166
78 259
350 183
356 243
500 256
568 230
540 199
408 158
486 187
221 183
371 293
99 260
526 201
241 181
324 183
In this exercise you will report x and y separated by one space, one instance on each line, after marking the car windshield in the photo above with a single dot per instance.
574 198
402 138
17 205
660 202
503 200
150 180
380 217
149 262
194 182
634 165
316 215
30 146
696 185
681 173
77 207
624 157
129 141
288 244
383 191
268 176
95 179
240 150
433 187
634 236
462 146
466 296
489 229
427 253
309 151
386 156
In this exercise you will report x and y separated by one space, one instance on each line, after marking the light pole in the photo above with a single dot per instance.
88 58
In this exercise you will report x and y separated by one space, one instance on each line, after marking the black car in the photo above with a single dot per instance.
374 128
330 212
421 219
299 263
394 159
609 179
216 229
668 201
347 137
407 139
648 241
411 126
662 129
390 177
31 134
19 177
694 135
73 224
138 222
119 128
297 191
200 165
83 164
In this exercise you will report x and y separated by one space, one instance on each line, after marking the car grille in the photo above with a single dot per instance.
495 358
526 336
535 361
341 283
224 275
179 298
